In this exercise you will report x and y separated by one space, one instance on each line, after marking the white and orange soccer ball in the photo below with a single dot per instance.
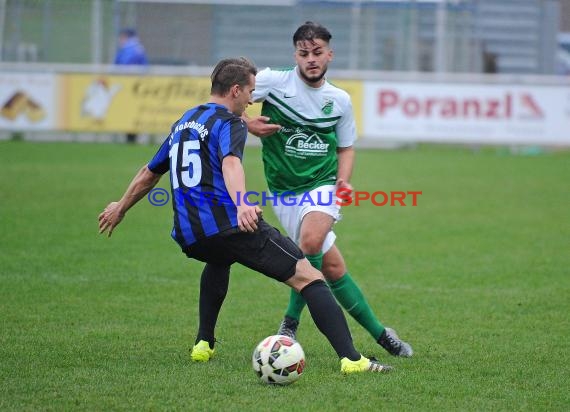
278 360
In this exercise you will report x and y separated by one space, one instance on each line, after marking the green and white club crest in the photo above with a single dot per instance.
328 107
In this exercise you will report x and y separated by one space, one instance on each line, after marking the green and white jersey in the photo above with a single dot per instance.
315 122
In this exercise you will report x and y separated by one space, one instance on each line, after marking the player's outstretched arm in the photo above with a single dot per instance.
259 126
141 184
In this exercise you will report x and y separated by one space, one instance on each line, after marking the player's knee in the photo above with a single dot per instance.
311 244
333 264
304 274
333 270
306 271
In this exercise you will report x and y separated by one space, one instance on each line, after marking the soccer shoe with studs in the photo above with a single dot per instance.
363 365
201 352
390 341
288 327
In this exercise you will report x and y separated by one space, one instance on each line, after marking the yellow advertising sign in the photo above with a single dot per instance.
147 104
135 104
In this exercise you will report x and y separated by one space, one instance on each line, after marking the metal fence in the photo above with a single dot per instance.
510 36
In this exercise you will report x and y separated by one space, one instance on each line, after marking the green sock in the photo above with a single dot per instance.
296 301
349 295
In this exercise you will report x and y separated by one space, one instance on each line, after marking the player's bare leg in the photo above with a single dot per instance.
333 266
314 229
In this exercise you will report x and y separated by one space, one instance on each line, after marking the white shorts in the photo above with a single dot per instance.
291 210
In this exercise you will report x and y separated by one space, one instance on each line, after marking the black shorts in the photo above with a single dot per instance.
266 251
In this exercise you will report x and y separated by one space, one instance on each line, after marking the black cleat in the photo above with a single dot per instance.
390 341
289 327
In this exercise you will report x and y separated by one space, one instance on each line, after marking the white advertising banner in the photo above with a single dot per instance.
28 101
459 113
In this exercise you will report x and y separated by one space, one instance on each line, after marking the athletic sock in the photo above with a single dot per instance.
329 318
296 301
349 295
213 289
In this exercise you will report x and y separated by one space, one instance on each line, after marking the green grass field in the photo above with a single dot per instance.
476 277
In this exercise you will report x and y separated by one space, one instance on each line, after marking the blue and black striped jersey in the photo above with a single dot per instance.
193 153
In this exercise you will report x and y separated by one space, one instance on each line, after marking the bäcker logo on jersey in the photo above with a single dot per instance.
301 145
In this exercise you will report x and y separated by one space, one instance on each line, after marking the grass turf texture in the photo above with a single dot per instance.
476 277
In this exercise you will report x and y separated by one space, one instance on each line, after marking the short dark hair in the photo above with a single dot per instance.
128 32
311 31
229 72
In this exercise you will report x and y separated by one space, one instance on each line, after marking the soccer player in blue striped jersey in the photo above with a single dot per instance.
203 155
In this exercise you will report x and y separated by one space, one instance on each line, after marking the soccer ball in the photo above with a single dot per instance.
278 360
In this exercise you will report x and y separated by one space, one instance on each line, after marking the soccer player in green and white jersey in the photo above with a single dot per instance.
308 130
